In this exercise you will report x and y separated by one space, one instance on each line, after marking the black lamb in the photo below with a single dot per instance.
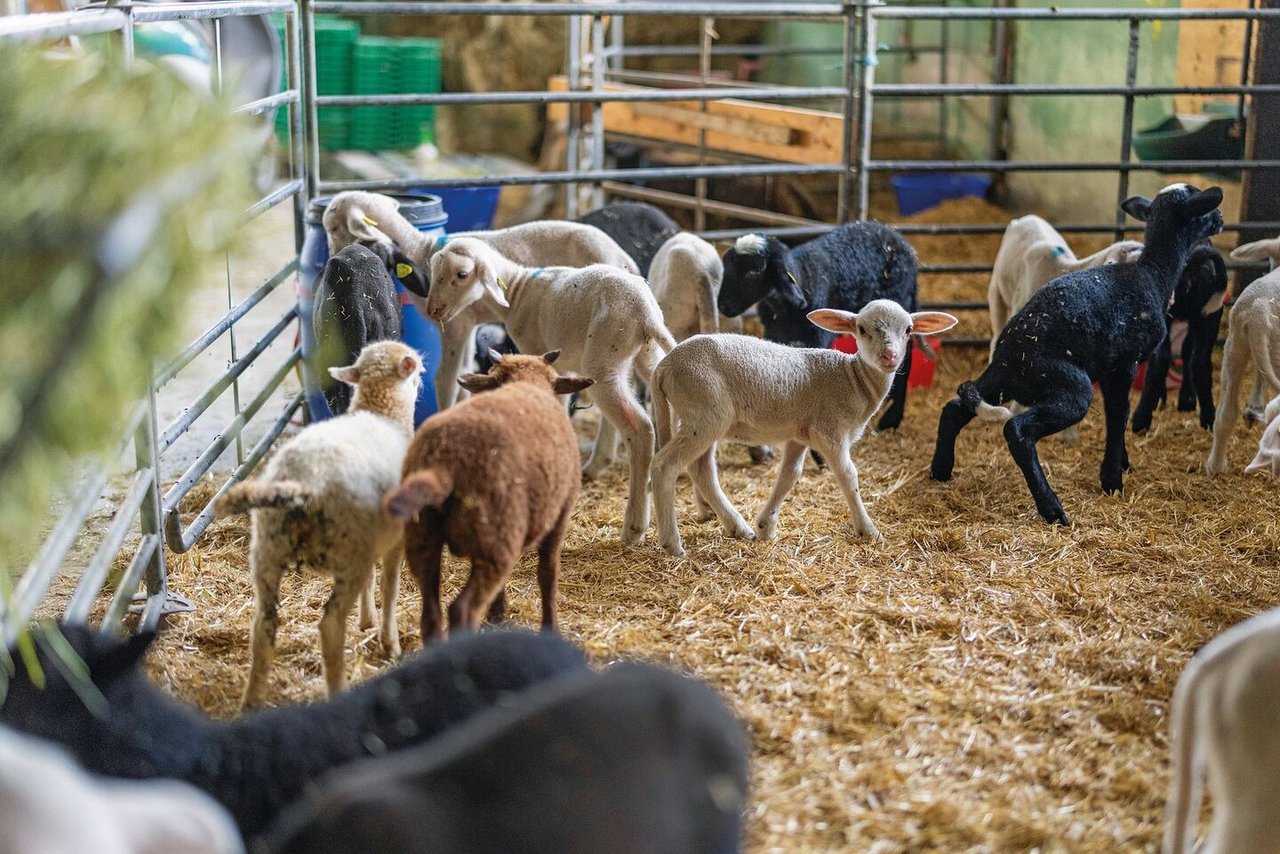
640 229
846 268
356 304
635 760
1083 327
1197 300
258 763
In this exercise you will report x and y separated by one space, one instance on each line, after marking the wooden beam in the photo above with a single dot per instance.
769 131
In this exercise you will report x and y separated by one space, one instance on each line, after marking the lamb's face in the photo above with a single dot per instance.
354 217
881 330
1124 252
744 283
459 278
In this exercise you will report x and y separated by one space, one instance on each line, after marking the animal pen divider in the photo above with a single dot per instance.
597 78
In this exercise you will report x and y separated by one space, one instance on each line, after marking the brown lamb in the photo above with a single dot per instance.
491 477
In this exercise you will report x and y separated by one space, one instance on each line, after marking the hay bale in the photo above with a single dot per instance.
96 274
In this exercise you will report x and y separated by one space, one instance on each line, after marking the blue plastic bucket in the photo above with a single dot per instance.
469 208
919 192
427 214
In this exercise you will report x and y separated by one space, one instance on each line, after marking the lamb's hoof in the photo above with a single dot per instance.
1141 425
674 549
760 453
367 622
1214 468
1254 416
1055 515
871 534
1206 419
1112 480
740 531
940 472
889 423
766 530
390 649
704 515
632 536
1184 406
590 473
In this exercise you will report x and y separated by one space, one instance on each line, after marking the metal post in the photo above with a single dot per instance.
151 514
943 79
597 110
297 145
867 62
574 59
311 126
1126 130
850 83
999 76
126 38
707 30
617 41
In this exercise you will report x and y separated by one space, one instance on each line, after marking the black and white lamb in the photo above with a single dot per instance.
1198 300
258 763
1085 327
640 229
356 304
844 269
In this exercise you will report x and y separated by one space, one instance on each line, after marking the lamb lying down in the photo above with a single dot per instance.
1269 445
758 392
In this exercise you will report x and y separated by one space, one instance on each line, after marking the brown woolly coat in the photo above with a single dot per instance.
491 477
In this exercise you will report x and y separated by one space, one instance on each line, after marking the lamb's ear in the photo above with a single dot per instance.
349 375
410 275
1259 250
1138 207
790 290
363 227
1204 201
550 357
495 286
834 320
931 322
409 365
476 383
570 385
494 356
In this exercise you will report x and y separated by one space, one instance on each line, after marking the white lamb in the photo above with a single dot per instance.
318 506
1253 334
1032 253
604 321
48 805
1224 715
359 217
748 390
1268 456
685 276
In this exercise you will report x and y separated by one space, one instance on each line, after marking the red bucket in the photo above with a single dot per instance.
922 367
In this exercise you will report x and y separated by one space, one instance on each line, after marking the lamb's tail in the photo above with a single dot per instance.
244 497
660 335
1182 812
661 409
972 399
429 487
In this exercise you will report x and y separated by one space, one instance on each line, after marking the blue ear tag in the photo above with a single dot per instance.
1059 251
440 242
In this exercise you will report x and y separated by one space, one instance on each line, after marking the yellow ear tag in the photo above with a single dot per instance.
502 285
403 270
791 276
370 221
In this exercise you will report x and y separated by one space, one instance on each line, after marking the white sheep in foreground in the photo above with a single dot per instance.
359 217
685 276
1268 456
1223 718
604 321
318 505
1253 334
748 390
1032 253
48 805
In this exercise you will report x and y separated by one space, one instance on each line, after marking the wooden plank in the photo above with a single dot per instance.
1210 53
770 131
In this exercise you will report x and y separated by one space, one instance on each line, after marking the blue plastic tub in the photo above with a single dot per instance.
427 213
469 208
920 192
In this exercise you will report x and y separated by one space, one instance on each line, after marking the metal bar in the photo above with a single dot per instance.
704 72
927 229
931 90
646 174
311 125
181 541
127 42
1056 13
866 79
680 200
849 80
297 144
206 11
95 574
1126 124
270 102
573 60
944 82
597 114
130 578
180 424
1074 166
59 25
198 346
150 514
995 119
663 9
276 197
759 93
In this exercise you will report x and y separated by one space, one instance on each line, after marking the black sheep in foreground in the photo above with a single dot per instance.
1084 327
258 763
635 760
845 269
640 229
1197 300
356 304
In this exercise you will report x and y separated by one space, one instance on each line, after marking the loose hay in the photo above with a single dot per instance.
978 681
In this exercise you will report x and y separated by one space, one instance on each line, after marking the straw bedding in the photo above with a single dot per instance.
978 681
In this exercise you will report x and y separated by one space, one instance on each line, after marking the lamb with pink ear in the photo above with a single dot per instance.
741 389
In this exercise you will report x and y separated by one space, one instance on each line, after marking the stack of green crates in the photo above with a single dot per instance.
387 66
335 42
